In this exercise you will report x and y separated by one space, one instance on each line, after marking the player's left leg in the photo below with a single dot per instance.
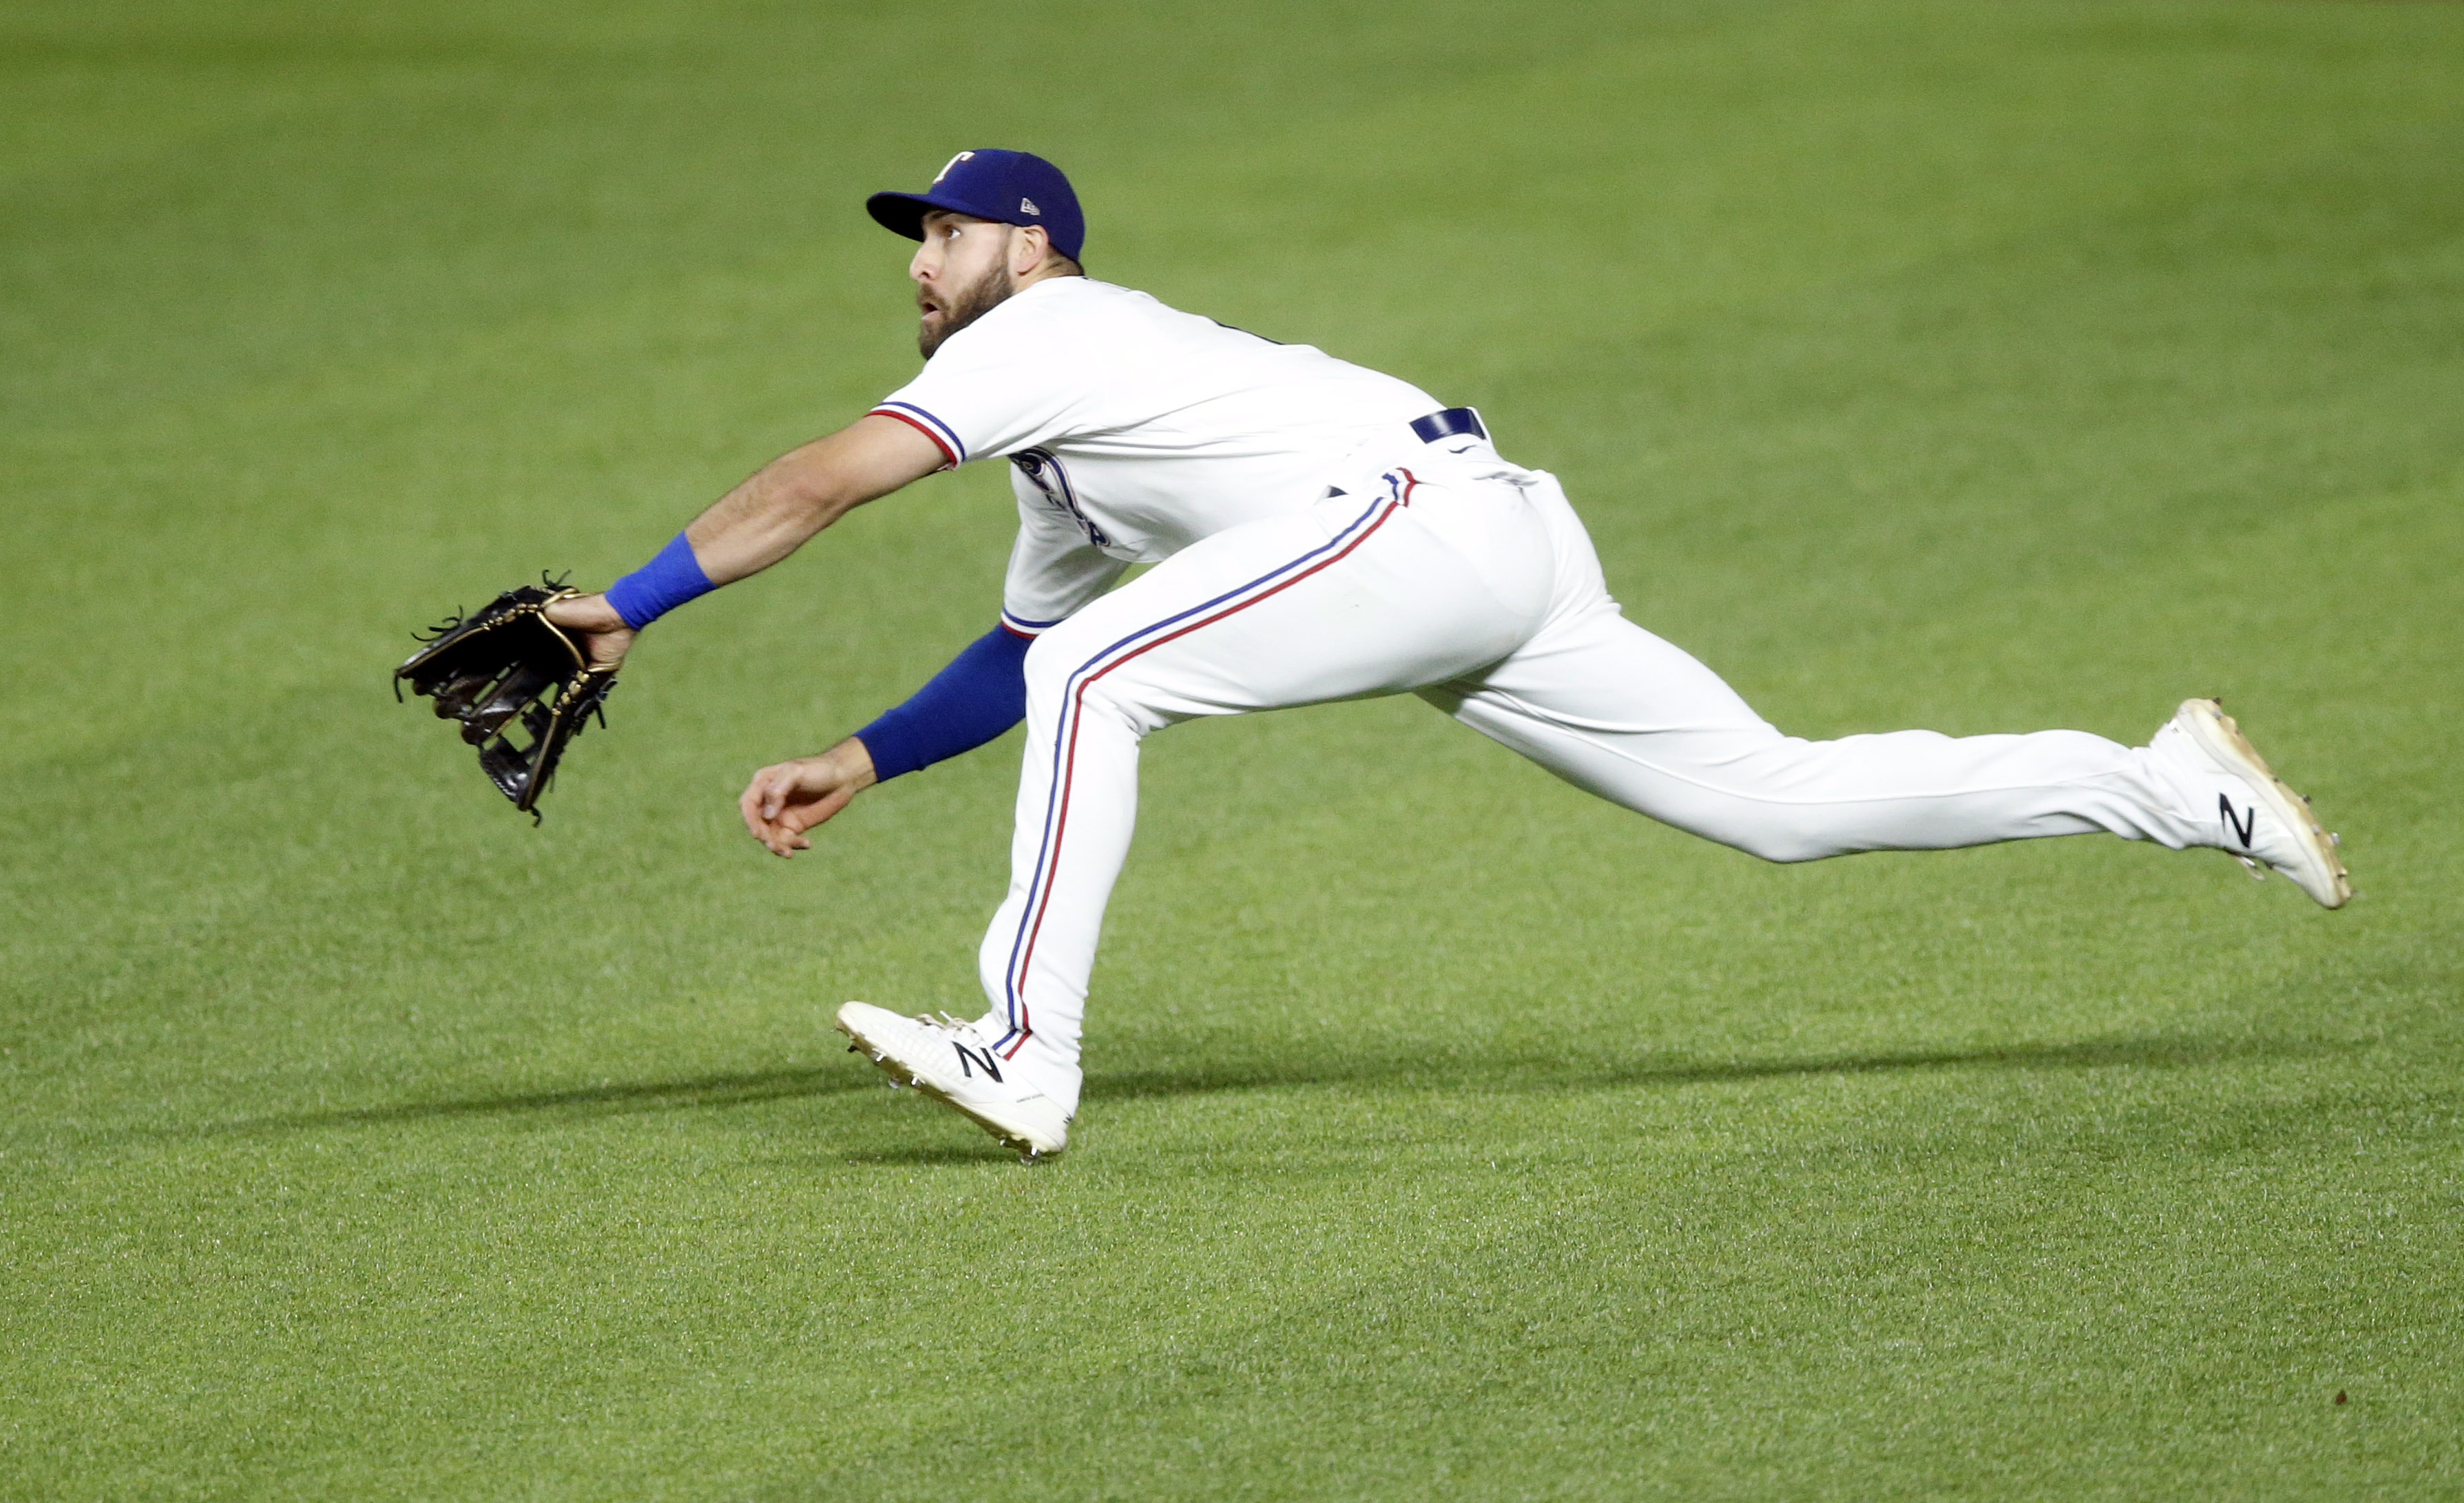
1616 710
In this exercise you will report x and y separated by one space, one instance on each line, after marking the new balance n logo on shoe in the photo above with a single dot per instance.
2242 828
970 1061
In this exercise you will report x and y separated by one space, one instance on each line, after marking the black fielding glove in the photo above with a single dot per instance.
506 669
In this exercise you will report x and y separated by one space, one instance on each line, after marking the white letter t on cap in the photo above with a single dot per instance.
964 155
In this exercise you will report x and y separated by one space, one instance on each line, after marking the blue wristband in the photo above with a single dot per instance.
980 695
661 585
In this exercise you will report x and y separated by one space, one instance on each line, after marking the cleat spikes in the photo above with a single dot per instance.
2204 742
948 1061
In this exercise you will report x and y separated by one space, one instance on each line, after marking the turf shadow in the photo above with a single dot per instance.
933 1156
607 1099
2169 1051
2163 1051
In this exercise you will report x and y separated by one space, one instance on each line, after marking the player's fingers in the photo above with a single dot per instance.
777 782
766 798
768 791
750 806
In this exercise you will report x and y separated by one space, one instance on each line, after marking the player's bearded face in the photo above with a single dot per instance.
961 275
947 309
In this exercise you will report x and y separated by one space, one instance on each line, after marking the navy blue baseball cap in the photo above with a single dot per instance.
1016 187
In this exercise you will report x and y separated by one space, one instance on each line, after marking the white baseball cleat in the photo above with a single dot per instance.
953 1062
2263 821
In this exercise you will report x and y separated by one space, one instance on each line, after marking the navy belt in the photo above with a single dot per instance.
1447 424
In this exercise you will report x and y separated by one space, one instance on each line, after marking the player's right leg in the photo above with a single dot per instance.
1409 579
1616 710
1364 595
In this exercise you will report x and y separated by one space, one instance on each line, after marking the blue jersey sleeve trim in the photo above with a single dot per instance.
1025 627
938 431
979 695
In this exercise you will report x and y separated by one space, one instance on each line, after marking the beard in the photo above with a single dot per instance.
965 305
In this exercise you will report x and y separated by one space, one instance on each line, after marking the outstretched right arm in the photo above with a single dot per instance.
773 512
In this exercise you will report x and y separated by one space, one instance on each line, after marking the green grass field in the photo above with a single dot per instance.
1982 367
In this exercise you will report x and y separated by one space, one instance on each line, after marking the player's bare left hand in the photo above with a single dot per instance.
787 798
603 633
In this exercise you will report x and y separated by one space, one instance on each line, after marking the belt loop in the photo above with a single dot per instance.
1448 424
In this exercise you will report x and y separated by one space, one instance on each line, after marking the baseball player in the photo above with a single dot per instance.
1319 531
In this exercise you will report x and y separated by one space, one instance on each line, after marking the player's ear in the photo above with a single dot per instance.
1028 249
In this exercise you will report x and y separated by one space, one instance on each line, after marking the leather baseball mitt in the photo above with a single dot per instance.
506 670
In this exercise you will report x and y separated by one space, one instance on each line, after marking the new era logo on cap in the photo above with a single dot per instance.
1011 187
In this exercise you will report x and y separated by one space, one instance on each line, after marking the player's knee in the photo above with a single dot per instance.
1070 671
1781 847
1786 852
1049 665
1057 667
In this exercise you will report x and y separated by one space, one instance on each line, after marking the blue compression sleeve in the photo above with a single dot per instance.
661 585
980 695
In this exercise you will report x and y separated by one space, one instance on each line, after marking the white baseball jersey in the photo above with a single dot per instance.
1136 429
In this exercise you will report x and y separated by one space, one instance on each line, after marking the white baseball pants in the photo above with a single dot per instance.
1472 582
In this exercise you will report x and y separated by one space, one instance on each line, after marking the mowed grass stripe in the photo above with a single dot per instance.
1449 1132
